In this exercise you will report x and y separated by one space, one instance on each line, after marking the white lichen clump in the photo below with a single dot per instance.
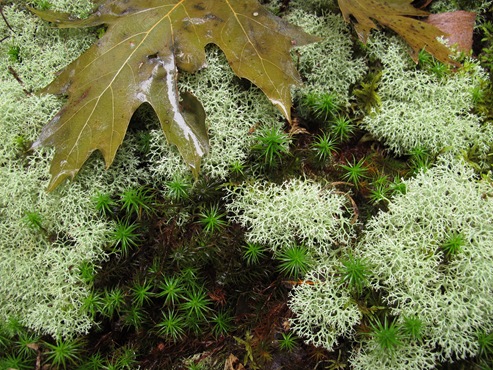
327 66
323 310
313 5
449 292
41 284
409 356
478 6
79 8
297 211
423 110
34 52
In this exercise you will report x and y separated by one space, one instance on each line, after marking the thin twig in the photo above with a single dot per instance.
6 22
353 203
18 79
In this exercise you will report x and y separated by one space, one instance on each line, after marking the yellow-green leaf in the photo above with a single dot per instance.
137 61
395 14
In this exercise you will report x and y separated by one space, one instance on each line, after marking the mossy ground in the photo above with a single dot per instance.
124 311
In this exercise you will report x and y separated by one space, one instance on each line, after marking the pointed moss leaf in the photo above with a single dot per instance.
137 61
395 14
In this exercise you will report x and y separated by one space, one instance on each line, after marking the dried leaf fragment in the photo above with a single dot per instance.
233 363
395 14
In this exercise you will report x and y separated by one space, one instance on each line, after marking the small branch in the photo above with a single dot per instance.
6 22
18 79
353 203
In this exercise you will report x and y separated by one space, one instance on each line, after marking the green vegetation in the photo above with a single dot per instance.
324 146
485 342
171 326
412 327
387 335
171 290
358 237
125 237
142 293
14 53
294 261
113 301
379 193
178 188
104 204
222 323
42 4
212 220
253 253
33 220
64 353
323 106
354 272
196 303
288 342
342 128
272 145
356 172
137 201
453 244
93 304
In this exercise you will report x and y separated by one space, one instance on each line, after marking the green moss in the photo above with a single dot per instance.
294 261
271 145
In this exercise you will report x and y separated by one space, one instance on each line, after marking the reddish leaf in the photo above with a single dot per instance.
458 25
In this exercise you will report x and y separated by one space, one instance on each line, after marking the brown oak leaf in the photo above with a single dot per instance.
137 61
396 15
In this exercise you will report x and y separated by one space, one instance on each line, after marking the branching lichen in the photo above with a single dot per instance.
324 311
449 293
277 216
409 356
477 6
40 281
420 109
79 8
327 66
